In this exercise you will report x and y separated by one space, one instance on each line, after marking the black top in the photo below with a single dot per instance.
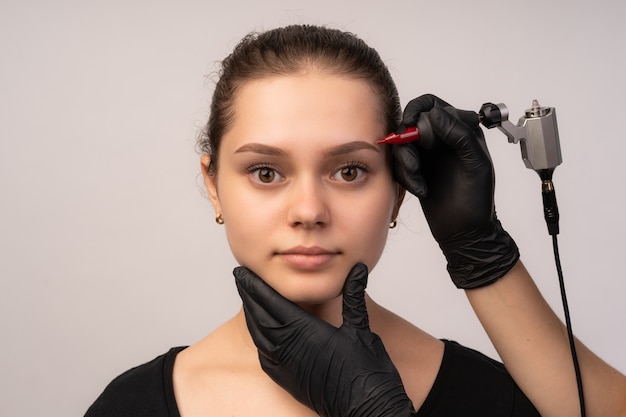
469 384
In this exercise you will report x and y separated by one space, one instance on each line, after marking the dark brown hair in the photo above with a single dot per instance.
293 50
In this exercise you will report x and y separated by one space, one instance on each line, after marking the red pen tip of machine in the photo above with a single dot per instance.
411 134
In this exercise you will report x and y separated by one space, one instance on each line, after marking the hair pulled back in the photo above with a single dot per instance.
293 50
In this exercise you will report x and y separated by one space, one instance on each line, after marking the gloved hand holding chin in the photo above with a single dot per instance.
337 372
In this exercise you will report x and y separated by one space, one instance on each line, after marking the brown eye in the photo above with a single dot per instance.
266 175
349 173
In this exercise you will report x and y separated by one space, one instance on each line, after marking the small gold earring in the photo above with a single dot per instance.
218 218
393 224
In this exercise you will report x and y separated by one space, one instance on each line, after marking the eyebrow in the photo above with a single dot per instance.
262 149
342 149
351 147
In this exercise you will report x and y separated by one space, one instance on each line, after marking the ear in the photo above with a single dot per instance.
210 182
401 192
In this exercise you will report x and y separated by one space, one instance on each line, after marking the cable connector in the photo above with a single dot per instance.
550 207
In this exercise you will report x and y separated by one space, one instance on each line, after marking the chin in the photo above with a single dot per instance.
310 292
307 287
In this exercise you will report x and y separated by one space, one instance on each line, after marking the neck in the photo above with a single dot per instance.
330 311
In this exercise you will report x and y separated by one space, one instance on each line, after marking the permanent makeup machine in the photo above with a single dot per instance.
538 136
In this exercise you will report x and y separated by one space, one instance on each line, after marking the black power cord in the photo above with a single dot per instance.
568 324
551 214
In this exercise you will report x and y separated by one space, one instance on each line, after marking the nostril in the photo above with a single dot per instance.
309 215
309 224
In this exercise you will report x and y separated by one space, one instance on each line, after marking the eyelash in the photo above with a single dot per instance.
255 169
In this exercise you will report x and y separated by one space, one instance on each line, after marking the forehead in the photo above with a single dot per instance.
315 101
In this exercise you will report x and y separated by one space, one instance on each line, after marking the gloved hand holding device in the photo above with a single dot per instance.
337 372
454 180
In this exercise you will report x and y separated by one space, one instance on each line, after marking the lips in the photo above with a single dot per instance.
307 258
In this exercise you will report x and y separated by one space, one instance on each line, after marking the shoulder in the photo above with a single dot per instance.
145 390
471 383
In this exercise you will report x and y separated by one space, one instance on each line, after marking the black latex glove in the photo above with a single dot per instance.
338 372
455 183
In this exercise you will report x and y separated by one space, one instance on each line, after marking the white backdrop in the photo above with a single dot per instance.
109 253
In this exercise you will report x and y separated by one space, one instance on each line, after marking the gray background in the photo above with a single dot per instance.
109 253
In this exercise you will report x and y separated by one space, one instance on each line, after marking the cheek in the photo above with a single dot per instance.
368 222
249 220
246 240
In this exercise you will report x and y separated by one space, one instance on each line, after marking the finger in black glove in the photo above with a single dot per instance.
337 372
455 182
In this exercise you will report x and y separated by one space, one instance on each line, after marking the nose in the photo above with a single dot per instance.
308 206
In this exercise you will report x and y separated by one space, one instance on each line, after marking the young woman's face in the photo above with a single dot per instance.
304 189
